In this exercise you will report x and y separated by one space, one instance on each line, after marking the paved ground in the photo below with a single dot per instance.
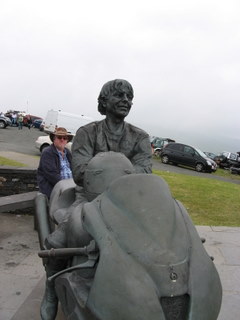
21 270
22 141
22 274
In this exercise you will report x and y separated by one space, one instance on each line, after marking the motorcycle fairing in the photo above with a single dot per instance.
72 289
62 196
149 251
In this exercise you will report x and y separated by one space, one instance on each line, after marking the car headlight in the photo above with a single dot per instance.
209 163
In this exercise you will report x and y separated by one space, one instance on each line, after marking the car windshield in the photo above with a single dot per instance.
230 155
233 156
202 154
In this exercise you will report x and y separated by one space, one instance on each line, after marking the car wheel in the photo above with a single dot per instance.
2 125
45 145
165 159
199 167
157 153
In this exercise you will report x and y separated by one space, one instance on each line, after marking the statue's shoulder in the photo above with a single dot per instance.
133 129
91 127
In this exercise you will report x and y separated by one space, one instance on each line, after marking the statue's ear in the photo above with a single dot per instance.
104 103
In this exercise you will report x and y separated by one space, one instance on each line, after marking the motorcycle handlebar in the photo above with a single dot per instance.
68 252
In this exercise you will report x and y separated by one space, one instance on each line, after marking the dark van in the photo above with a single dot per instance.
178 153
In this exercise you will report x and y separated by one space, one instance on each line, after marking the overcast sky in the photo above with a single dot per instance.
182 58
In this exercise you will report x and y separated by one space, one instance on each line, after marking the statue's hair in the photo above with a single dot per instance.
118 85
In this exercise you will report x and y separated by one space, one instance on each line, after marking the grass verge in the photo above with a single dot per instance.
226 174
11 163
208 201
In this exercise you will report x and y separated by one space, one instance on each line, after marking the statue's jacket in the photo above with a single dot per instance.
96 137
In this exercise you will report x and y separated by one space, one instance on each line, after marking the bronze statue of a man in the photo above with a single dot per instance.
112 133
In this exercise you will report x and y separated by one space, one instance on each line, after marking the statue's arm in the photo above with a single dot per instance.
82 153
142 159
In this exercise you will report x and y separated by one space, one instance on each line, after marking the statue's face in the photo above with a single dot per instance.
119 103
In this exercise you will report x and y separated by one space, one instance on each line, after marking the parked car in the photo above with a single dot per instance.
45 141
158 143
210 155
4 122
178 153
227 159
235 169
31 117
37 123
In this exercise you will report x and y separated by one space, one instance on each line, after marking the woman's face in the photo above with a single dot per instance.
119 103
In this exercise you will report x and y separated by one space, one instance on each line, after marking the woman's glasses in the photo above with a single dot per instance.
62 137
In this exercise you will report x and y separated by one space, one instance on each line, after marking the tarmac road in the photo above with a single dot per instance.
22 141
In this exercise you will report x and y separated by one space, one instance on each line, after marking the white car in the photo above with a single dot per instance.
45 141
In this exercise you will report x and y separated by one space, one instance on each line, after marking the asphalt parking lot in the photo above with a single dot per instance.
22 141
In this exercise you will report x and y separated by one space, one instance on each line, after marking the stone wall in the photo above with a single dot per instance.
14 180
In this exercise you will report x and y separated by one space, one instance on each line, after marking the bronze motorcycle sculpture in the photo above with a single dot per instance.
143 259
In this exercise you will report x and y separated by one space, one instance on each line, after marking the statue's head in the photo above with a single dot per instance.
115 96
103 169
